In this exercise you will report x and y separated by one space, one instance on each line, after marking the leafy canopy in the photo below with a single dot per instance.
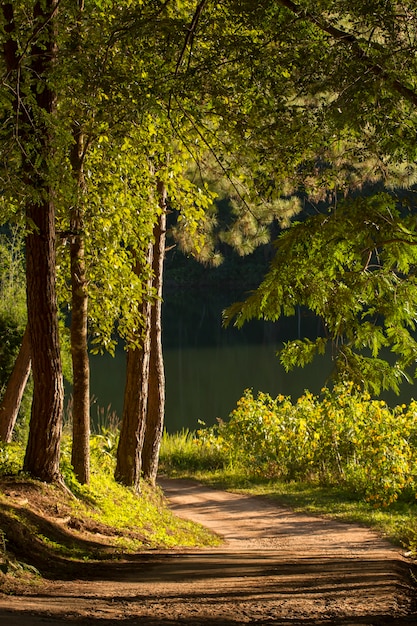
354 267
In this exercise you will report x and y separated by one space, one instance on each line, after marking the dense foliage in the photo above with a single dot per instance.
352 265
12 312
103 100
339 437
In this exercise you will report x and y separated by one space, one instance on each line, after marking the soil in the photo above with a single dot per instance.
275 566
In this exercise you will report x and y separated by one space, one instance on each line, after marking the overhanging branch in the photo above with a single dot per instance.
348 39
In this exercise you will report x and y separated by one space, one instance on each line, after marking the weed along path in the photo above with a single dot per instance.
275 567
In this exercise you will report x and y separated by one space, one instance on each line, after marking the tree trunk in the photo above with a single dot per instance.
156 387
80 457
10 404
129 451
43 448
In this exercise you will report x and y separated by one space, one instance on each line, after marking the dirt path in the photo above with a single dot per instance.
275 567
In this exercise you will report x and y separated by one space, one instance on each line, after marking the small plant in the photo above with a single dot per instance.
11 458
191 451
107 419
2 547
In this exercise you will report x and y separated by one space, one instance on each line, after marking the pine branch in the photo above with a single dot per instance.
348 39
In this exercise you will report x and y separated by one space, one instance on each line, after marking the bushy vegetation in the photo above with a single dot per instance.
342 436
11 458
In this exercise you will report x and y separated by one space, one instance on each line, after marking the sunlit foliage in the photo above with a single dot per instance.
342 436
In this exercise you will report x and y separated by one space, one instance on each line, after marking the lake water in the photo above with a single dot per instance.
208 367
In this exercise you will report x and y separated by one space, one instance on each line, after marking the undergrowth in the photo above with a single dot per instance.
124 510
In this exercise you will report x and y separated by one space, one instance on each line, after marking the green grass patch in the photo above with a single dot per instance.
142 521
186 451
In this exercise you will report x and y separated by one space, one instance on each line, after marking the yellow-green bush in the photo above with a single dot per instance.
340 436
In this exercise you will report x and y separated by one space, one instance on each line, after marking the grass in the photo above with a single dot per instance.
48 528
123 510
180 452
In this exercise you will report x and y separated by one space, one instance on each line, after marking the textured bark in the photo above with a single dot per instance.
129 451
80 456
12 398
156 387
43 448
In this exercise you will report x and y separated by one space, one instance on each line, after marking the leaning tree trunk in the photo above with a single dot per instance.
43 448
80 456
12 398
156 387
129 451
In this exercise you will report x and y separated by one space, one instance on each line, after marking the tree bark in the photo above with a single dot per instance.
12 398
156 387
129 451
43 448
80 456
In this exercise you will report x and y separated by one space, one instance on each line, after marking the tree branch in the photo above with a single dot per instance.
190 33
350 40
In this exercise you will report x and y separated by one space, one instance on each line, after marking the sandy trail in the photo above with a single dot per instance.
275 567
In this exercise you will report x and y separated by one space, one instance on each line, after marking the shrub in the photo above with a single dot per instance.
342 436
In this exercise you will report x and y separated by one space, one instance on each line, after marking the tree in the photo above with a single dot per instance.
101 60
143 408
325 83
109 44
135 404
355 268
12 397
28 74
43 448
15 345
280 97
358 90
155 410
242 89
80 457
